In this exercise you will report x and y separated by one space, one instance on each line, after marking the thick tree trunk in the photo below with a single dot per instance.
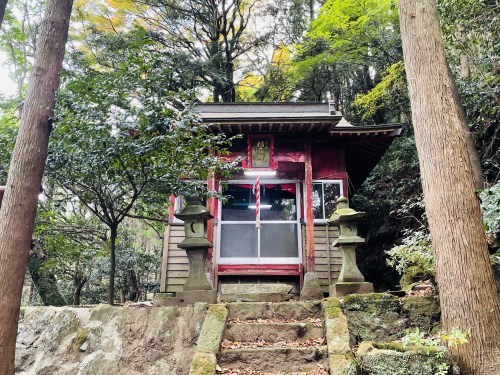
44 280
3 5
17 215
467 289
112 265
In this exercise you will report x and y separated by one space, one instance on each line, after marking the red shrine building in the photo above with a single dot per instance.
298 158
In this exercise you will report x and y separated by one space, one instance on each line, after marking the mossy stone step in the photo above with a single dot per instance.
272 332
296 310
274 360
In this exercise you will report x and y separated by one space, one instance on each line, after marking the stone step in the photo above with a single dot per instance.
272 332
296 310
261 297
274 360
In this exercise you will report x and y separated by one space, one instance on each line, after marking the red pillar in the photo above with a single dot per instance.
211 201
309 210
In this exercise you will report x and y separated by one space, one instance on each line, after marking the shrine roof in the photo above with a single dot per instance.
286 117
321 114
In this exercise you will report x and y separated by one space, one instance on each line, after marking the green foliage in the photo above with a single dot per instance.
471 31
417 340
389 94
345 50
435 346
9 123
413 256
490 207
122 137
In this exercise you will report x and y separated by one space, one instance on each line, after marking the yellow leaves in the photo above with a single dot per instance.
248 86
125 5
372 100
106 16
281 56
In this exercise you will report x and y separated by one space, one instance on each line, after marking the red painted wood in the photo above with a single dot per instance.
309 209
260 267
211 207
326 163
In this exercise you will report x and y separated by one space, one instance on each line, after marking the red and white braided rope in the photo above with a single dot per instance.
257 203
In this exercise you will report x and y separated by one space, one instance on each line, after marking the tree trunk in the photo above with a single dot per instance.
133 294
467 289
112 265
17 215
477 168
3 5
44 280
79 282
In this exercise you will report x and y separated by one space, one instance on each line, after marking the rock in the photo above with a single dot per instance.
373 317
376 359
108 340
422 312
340 358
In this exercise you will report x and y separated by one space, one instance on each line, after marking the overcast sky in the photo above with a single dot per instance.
7 86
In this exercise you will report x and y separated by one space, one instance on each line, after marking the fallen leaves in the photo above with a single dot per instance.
307 343
317 322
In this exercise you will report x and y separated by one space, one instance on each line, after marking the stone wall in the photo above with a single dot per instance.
107 340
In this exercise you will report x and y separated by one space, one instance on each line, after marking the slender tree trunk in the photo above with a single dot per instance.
17 215
44 279
112 265
3 5
79 282
467 289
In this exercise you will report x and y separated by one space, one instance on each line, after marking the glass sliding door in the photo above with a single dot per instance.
278 238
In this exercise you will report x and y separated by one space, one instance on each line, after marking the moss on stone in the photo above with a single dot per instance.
423 312
373 317
81 337
219 312
342 364
333 312
203 364
371 302
212 329
330 302
396 346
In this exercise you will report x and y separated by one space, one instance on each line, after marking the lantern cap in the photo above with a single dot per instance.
344 213
194 210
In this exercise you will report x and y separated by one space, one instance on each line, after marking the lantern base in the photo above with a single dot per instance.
193 296
344 288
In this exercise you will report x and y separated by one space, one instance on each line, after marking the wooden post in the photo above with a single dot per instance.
211 207
309 210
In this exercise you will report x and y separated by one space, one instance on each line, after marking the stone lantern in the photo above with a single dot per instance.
350 280
197 287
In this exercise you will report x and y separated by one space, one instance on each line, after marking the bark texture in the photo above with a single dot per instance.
467 289
44 279
3 5
112 265
18 211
